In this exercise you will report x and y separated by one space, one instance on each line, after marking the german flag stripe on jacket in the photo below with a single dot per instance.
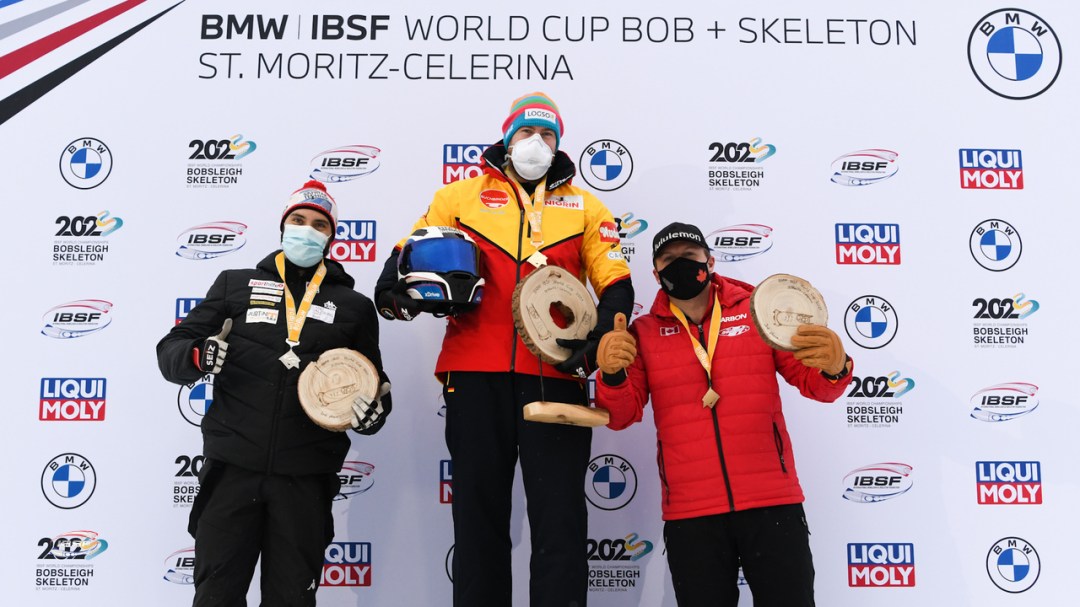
579 235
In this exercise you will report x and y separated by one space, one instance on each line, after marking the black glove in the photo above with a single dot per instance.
210 356
395 304
582 361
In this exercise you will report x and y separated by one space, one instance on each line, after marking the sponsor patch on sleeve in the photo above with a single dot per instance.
259 315
609 232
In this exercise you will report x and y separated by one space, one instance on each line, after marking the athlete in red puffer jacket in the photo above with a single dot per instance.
731 495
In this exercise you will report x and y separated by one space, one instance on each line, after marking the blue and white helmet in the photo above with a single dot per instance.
441 267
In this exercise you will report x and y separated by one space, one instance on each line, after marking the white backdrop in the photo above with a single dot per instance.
797 90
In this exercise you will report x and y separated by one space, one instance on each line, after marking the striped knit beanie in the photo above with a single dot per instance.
534 109
312 195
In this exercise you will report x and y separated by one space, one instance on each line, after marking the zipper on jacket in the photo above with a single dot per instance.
517 272
716 431
274 424
663 471
779 446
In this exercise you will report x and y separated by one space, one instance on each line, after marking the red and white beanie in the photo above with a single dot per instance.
312 195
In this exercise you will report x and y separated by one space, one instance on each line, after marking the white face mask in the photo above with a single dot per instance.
531 157
303 245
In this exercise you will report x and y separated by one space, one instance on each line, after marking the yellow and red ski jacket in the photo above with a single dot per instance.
579 235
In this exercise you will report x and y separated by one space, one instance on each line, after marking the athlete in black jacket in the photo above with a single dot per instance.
270 473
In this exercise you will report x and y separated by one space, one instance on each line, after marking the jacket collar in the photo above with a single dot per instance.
335 273
731 293
562 170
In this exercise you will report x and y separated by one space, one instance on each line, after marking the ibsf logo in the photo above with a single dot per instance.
1012 483
995 245
1004 402
462 161
355 241
610 483
347 564
877 482
871 321
194 400
864 167
739 242
68 481
991 169
354 478
881 565
1014 53
77 318
1013 564
606 165
211 240
446 481
868 243
184 306
74 545
70 399
180 567
345 163
85 163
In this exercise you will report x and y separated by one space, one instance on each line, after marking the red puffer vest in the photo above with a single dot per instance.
737 455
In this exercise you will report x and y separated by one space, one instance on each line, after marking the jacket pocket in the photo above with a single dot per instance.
663 472
779 440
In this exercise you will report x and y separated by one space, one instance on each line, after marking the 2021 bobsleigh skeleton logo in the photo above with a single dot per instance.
80 239
85 163
1014 53
995 245
606 165
998 320
874 400
68 480
1013 564
728 170
628 227
216 162
77 318
613 562
63 563
610 482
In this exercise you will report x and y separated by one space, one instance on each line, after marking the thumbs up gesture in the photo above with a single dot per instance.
211 356
618 348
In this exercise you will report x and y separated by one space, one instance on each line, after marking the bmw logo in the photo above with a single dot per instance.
85 163
606 165
1014 53
870 322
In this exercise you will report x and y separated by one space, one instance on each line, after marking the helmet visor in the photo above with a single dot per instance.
441 255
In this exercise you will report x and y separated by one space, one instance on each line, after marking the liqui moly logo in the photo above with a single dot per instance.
462 161
184 305
881 565
1011 483
354 241
347 564
69 399
991 169
868 243
446 482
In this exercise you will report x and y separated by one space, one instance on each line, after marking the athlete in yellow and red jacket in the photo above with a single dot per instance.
489 375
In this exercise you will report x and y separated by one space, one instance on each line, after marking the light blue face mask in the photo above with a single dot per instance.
303 245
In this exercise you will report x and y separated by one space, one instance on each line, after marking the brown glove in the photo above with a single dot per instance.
618 348
819 347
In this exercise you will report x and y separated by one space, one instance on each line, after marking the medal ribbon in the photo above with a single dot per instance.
704 356
295 317
535 209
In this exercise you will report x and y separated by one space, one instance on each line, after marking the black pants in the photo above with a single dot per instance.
486 435
772 545
239 514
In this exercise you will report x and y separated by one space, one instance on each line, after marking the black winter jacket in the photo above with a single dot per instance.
255 421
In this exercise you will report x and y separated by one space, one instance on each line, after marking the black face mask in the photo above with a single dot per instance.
684 278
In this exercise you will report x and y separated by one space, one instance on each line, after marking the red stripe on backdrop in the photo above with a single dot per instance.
19 58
